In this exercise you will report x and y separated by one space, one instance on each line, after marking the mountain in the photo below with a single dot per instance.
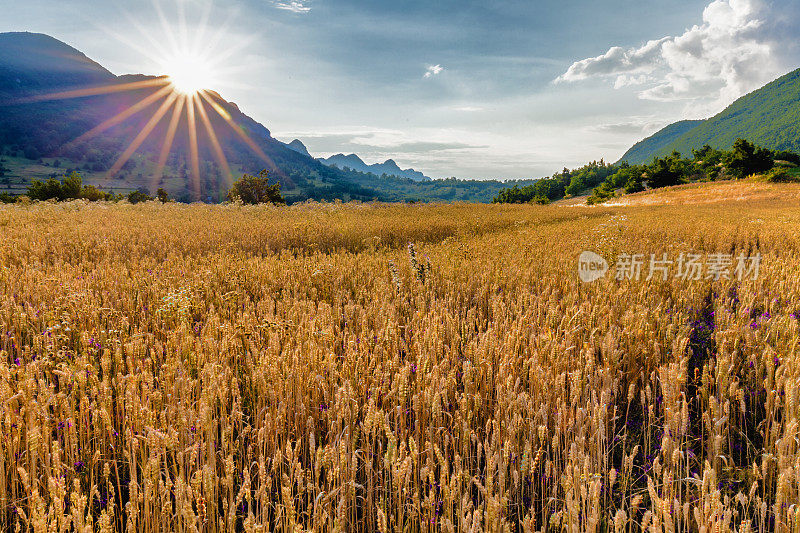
769 117
353 162
390 167
52 97
49 99
299 147
643 151
32 61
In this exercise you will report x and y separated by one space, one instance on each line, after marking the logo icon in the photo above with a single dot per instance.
591 267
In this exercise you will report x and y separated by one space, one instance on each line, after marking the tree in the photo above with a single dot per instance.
667 171
746 159
256 190
162 195
634 184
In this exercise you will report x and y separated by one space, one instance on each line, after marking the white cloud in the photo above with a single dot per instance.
617 61
433 70
740 46
295 6
626 80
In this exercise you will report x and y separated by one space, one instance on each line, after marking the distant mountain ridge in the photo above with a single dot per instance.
389 167
768 117
354 162
299 147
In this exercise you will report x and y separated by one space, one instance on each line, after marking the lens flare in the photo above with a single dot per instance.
189 73
191 65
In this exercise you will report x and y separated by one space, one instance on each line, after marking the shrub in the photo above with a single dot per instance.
256 190
139 195
781 175
69 188
93 194
45 190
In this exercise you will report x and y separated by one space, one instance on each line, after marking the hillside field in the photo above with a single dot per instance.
381 367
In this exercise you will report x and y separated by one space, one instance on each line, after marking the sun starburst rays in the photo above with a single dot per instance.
193 150
220 155
140 138
192 63
166 147
239 131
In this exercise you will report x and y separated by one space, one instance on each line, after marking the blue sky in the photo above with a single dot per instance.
503 89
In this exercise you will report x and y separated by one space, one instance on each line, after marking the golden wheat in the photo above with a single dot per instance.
394 368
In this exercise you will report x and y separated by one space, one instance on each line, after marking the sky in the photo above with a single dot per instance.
503 89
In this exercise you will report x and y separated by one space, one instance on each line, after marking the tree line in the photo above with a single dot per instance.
560 185
247 190
706 164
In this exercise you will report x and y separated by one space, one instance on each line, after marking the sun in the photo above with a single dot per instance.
190 63
189 73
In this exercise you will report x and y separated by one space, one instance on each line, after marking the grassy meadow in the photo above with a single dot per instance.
360 367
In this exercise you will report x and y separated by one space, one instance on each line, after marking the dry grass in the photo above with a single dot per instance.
709 193
199 368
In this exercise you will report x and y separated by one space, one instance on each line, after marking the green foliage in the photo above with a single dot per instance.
256 190
600 194
707 163
69 188
783 175
587 176
746 159
540 192
139 195
628 177
162 195
787 156
93 194
6 198
666 171
567 182
47 190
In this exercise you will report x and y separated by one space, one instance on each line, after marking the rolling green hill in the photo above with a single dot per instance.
768 117
643 151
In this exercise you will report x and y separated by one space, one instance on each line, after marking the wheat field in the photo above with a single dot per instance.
358 367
